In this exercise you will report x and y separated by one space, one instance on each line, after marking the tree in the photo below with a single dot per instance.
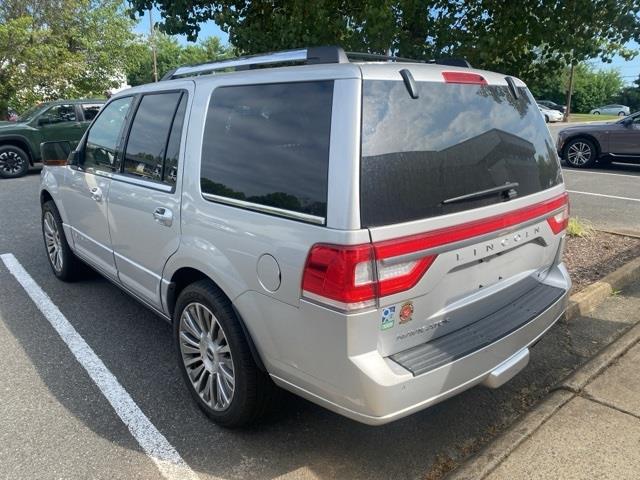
61 48
170 54
526 39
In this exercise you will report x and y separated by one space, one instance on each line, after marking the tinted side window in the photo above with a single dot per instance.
173 146
90 110
146 146
104 136
269 145
61 113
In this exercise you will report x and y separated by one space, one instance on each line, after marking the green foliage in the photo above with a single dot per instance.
170 54
53 49
527 39
592 88
630 96
580 228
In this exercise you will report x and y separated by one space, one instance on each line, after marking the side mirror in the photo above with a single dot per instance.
55 154
627 121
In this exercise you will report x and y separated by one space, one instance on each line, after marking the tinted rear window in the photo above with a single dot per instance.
452 141
269 145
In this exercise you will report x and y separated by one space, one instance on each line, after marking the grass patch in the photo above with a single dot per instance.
587 117
579 228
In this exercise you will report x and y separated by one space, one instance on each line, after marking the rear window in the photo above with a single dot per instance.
452 141
268 145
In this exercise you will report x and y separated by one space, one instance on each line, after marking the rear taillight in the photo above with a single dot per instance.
560 220
351 277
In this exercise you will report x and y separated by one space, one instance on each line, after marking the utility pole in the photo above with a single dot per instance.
567 112
153 46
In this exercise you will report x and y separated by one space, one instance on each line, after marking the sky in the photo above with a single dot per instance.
629 70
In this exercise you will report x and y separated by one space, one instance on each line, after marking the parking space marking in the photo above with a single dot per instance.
155 445
606 196
601 173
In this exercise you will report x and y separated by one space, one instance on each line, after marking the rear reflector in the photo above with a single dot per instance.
354 277
464 77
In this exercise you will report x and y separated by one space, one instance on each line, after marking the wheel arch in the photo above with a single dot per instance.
21 143
185 276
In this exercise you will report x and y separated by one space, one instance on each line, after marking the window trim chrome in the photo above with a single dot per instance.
141 182
280 212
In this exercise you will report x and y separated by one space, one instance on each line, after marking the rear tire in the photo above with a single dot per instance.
64 263
596 113
14 162
580 153
622 114
215 358
546 119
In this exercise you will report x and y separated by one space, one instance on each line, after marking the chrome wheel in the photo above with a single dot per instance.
11 163
52 241
206 356
579 153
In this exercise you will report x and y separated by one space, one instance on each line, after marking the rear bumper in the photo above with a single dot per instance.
384 391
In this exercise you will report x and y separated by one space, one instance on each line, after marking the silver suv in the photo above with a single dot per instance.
373 235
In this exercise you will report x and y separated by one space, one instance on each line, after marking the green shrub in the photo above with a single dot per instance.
579 228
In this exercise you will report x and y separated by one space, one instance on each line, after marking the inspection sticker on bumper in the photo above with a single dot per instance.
388 317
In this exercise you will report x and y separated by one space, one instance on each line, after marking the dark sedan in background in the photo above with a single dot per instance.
584 145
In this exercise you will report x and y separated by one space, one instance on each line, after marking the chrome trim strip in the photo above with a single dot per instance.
465 243
100 173
305 217
336 305
142 183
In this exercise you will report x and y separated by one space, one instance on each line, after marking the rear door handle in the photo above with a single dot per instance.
96 194
163 216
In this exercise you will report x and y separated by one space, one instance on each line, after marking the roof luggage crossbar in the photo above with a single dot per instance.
313 55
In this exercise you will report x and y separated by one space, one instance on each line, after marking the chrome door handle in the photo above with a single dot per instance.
96 194
163 215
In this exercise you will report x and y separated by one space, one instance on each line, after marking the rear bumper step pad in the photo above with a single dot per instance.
448 348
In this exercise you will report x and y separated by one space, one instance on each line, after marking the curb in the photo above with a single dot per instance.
488 459
590 297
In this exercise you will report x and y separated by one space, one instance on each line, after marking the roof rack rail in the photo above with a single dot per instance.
313 55
452 62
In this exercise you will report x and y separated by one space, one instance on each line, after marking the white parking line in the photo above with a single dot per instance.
606 196
156 446
600 173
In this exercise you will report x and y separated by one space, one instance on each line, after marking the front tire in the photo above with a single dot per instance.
65 265
215 359
580 153
14 162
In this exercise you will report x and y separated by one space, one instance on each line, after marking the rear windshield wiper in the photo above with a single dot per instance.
508 190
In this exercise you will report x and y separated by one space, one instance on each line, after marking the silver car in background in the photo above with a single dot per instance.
374 236
619 110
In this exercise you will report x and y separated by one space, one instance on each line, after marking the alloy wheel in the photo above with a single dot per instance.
206 356
11 162
52 241
579 153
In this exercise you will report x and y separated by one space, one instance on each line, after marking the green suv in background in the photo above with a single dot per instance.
60 120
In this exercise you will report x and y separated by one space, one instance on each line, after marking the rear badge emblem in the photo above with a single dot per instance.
388 315
406 313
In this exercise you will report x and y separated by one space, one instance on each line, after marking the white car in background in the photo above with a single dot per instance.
619 110
550 115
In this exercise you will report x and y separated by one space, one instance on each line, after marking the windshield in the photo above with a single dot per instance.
453 141
29 114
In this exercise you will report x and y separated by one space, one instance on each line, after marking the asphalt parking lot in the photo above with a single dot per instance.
608 197
55 421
